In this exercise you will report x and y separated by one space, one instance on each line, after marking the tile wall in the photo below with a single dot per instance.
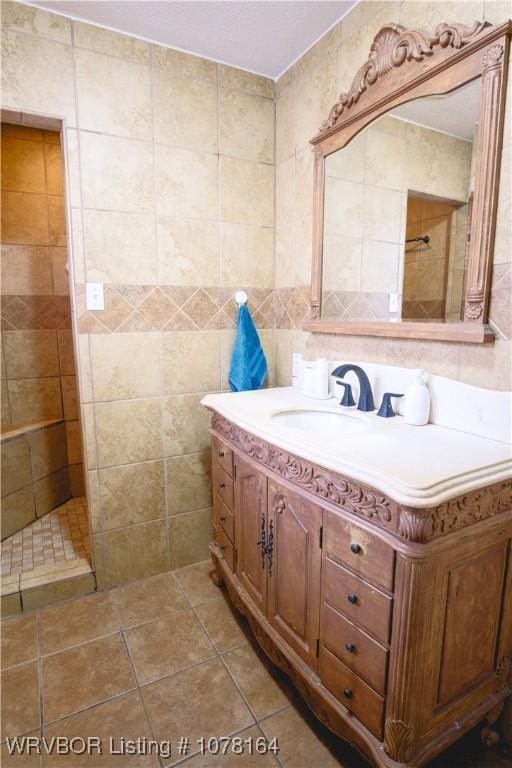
38 369
171 179
304 96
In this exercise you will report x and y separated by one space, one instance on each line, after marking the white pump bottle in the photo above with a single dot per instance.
417 401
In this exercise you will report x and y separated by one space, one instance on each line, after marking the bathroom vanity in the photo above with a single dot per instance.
372 561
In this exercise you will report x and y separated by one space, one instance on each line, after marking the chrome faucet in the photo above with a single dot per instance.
365 389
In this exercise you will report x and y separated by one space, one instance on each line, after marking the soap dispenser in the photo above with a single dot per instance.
417 401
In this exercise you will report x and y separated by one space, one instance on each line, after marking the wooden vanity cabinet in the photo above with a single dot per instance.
394 623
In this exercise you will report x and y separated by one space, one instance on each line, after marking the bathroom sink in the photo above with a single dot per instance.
331 423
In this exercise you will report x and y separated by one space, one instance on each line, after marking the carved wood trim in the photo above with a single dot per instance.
410 524
402 65
398 738
392 46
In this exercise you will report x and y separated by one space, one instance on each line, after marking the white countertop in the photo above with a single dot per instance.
416 466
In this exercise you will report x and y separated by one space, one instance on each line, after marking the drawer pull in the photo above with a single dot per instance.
223 547
222 485
355 548
352 598
221 454
348 693
222 518
350 647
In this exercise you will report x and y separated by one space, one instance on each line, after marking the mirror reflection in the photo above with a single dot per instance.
397 210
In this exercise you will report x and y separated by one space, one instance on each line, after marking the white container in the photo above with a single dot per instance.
297 371
316 379
417 401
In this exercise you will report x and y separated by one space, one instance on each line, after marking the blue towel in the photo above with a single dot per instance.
248 364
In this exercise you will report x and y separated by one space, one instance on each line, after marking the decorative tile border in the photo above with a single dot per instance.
181 308
35 313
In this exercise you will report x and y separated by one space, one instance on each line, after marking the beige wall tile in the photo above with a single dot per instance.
117 174
285 126
48 450
189 537
135 552
189 482
74 442
132 494
34 400
18 510
426 15
382 214
51 491
72 167
188 252
247 192
24 218
59 257
23 166
128 431
178 100
246 124
120 247
190 361
31 354
125 365
36 21
187 183
112 43
89 429
76 255
185 425
122 109
15 466
247 256
379 267
184 64
38 78
246 81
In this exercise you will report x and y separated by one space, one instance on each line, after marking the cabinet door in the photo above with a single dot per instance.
294 570
250 530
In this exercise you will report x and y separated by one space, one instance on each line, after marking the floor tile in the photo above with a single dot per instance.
76 622
231 759
85 675
120 718
298 744
24 759
195 703
224 626
264 694
20 699
167 645
148 599
18 640
196 583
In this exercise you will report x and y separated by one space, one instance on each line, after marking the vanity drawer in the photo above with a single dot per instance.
226 519
353 692
223 455
354 648
363 604
226 547
223 486
359 550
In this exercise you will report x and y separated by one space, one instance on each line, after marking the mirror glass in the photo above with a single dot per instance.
396 213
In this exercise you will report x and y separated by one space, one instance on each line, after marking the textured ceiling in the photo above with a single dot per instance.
262 36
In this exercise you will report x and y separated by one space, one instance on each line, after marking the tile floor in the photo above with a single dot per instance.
163 658
59 537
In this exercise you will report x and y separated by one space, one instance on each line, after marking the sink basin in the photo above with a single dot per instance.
331 423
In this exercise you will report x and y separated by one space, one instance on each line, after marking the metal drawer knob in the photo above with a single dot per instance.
221 454
222 518
350 647
222 485
355 548
348 693
352 598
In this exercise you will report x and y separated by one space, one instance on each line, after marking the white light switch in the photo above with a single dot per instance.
94 296
393 302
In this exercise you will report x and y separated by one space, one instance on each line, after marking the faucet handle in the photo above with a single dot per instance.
348 398
386 409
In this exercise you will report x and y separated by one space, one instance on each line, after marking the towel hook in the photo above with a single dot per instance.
241 298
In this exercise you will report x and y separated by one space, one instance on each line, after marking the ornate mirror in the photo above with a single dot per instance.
406 180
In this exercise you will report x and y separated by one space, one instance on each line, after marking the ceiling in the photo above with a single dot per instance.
261 36
455 113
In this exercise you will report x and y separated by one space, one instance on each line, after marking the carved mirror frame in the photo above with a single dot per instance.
403 65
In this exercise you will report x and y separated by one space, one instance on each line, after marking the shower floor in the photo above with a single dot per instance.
52 552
